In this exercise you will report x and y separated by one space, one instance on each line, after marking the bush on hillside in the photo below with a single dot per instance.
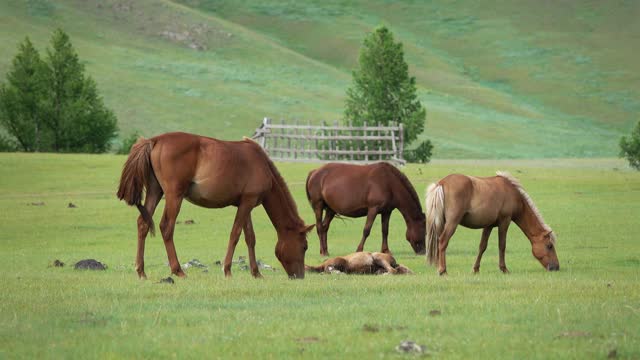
630 147
127 143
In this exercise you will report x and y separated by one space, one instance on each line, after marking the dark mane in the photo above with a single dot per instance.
282 185
407 184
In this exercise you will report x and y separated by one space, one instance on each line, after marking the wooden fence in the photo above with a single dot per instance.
331 143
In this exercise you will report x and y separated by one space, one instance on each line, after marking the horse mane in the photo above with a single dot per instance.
293 208
407 184
527 198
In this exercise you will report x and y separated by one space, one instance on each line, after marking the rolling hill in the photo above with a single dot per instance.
518 79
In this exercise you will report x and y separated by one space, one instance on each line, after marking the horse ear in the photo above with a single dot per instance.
307 228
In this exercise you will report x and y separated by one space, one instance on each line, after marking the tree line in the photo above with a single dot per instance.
50 105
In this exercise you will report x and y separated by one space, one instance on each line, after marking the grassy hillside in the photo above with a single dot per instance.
586 310
499 79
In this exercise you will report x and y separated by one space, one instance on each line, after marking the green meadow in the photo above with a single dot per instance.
589 309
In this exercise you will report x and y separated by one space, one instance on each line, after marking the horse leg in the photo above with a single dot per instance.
317 211
443 242
328 217
167 227
385 265
385 232
154 194
371 216
502 243
244 208
483 246
250 239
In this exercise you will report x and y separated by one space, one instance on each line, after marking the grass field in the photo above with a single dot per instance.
588 309
517 79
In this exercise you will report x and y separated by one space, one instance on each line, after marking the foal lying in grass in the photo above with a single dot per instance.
361 263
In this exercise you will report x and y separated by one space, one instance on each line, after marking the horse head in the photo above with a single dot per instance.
290 250
543 248
416 233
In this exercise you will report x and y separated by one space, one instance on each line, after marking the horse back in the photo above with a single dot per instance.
208 171
349 189
479 201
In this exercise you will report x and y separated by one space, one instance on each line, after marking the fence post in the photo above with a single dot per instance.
401 147
265 127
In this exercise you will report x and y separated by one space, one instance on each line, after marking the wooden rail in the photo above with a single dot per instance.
331 143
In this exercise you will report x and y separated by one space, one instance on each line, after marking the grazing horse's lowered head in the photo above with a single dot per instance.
291 253
416 233
543 248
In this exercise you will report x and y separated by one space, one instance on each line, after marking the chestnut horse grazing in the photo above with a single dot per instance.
484 203
213 174
365 190
362 263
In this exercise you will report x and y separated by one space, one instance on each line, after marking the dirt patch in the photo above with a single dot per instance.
574 334
37 203
308 339
56 263
370 328
435 313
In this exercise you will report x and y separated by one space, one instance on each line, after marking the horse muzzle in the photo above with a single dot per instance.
553 267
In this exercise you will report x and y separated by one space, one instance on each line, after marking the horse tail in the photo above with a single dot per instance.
435 220
135 177
306 184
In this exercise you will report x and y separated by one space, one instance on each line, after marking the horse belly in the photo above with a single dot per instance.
479 220
211 196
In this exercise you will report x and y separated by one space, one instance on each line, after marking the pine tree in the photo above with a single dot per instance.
21 108
76 114
382 90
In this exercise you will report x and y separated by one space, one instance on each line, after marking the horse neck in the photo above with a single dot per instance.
529 222
410 209
281 209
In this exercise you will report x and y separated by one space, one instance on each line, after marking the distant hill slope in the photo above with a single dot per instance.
518 79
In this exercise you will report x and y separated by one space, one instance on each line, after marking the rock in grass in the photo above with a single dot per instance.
194 263
168 280
89 264
410 347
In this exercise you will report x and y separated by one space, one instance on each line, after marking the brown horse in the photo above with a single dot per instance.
365 190
484 203
362 263
213 174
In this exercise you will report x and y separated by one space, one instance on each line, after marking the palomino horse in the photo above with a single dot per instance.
213 174
484 203
359 190
362 263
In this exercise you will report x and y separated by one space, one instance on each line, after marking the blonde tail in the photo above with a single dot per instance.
435 220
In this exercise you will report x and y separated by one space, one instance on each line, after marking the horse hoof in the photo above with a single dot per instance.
180 274
442 273
504 270
476 270
142 276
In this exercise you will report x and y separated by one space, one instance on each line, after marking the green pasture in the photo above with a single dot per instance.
515 79
589 309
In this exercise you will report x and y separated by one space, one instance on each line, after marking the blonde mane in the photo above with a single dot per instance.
527 198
